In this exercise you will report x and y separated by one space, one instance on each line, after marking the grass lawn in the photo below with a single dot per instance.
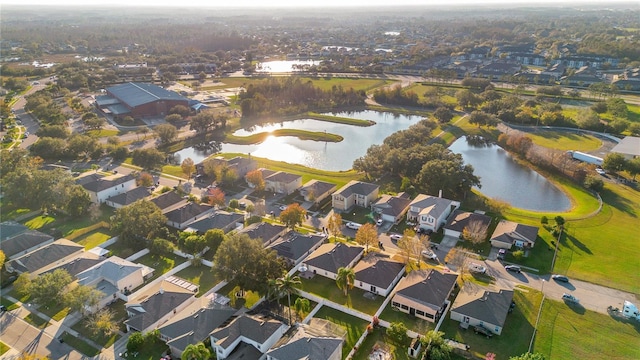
119 248
568 333
119 313
3 348
200 275
516 333
10 305
411 322
328 289
36 321
14 294
80 345
94 238
355 327
10 212
379 337
66 226
105 341
325 83
160 264
564 140
231 290
152 351
39 221
55 311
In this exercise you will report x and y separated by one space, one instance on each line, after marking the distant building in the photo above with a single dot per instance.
629 147
139 100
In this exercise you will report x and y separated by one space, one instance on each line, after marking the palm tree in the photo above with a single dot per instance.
287 284
196 352
346 279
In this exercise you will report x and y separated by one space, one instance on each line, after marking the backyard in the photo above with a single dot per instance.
355 327
355 299
160 264
238 297
201 276
94 238
411 322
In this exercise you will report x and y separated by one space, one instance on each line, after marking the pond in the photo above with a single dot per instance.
503 178
315 154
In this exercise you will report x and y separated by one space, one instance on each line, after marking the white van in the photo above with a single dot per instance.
354 226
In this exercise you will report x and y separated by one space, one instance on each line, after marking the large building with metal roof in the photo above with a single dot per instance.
139 100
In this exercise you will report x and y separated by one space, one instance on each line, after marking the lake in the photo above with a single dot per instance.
503 178
315 154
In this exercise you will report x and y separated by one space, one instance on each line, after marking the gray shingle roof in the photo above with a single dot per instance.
112 269
250 327
427 287
392 205
331 257
167 200
45 256
130 196
135 94
357 187
218 220
266 232
435 206
79 264
377 271
461 219
308 348
283 177
485 305
97 183
11 228
186 212
509 232
293 245
156 306
23 241
318 187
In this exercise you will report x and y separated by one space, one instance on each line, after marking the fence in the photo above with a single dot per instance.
138 255
76 234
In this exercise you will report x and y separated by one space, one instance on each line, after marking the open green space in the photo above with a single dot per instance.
325 83
300 134
516 333
149 351
10 211
201 276
570 332
238 297
65 226
354 326
121 249
103 133
10 305
328 289
80 345
380 339
55 311
565 140
3 348
82 327
160 264
36 321
411 322
340 120
94 238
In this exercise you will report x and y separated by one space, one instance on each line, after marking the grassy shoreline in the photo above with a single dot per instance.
300 134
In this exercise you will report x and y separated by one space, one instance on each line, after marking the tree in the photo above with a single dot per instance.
481 118
135 342
443 115
54 131
161 247
367 235
2 258
302 306
467 99
287 285
180 110
435 345
142 131
22 285
528 356
77 201
213 238
594 183
410 246
397 331
148 159
334 224
247 262
188 167
203 121
137 222
173 118
293 215
475 232
215 196
49 148
83 299
166 133
197 351
144 179
255 178
614 162
48 287
346 279
102 323
95 123
82 146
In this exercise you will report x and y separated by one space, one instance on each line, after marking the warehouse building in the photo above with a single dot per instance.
139 100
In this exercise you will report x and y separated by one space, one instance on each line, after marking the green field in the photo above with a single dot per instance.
94 238
568 332
565 140
354 326
325 83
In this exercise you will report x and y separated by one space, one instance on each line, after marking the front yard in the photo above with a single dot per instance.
328 289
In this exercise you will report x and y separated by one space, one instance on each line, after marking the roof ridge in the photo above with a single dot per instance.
145 90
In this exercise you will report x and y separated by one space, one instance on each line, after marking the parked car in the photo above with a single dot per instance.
514 268
479 329
570 298
282 207
560 278
477 268
395 237
502 253
429 254
379 222
354 226
601 171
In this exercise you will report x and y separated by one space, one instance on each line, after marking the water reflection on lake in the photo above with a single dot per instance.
318 154
503 178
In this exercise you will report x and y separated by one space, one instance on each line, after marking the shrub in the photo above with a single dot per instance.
593 183
233 204
397 331
544 220
518 254
135 342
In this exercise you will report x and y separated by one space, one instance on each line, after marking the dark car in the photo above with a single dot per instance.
479 329
560 278
514 268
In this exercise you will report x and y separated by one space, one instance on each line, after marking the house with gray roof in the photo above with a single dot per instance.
629 147
157 304
378 274
316 190
509 233
102 187
481 306
114 277
460 220
258 332
10 229
139 100
128 198
266 232
293 246
318 340
195 323
240 165
23 242
79 263
45 258
392 208
430 212
223 220
180 217
282 182
328 258
424 293
168 201
354 193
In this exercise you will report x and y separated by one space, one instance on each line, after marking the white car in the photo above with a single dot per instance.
353 226
600 171
379 222
282 207
477 268
395 237
429 254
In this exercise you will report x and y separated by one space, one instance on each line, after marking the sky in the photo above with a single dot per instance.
297 3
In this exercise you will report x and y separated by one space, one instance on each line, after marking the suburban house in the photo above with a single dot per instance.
293 246
114 277
459 220
128 198
316 190
156 305
481 306
9 229
257 334
430 212
392 208
168 201
241 166
222 220
282 182
266 232
265 174
24 242
378 274
328 258
310 342
509 233
194 324
180 217
100 188
45 258
354 193
79 263
424 294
